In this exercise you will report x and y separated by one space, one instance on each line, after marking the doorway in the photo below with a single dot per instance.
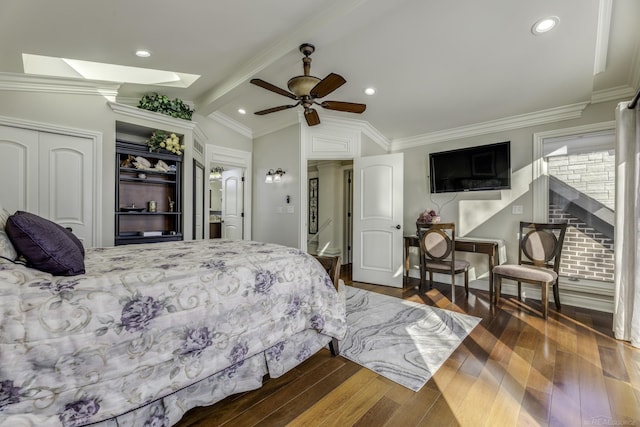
330 200
226 202
234 212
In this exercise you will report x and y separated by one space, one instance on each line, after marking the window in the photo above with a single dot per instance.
575 183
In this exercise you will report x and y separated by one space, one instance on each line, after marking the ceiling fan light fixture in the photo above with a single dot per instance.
370 91
242 111
302 85
545 25
307 90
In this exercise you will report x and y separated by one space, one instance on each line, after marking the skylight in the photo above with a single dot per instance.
63 67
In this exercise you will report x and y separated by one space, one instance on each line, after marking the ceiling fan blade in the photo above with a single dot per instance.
327 85
349 107
312 116
272 88
274 109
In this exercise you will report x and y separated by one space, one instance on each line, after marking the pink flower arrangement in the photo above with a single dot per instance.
428 216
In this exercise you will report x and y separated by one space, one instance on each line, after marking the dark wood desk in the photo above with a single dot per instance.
462 245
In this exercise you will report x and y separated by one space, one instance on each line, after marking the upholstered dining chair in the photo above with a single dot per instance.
332 265
438 255
538 261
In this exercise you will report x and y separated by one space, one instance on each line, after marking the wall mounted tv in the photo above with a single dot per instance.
485 167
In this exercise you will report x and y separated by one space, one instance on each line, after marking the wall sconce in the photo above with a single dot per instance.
216 173
274 176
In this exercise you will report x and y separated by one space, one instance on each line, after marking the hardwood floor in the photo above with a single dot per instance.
514 369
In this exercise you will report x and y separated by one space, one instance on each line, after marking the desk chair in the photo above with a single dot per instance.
332 265
538 261
437 254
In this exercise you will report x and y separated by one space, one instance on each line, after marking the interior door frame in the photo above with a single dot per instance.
238 159
197 166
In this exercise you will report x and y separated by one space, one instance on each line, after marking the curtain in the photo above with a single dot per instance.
626 316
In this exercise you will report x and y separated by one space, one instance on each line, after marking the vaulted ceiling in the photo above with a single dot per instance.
436 65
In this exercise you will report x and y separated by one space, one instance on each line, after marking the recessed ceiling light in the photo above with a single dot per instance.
242 111
143 53
369 91
544 25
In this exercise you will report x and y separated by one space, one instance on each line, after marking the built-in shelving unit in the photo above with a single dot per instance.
148 200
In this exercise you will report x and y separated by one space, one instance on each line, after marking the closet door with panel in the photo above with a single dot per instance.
49 175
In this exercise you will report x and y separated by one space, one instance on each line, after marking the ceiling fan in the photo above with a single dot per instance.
307 89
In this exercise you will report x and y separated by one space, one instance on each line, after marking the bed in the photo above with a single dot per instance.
152 330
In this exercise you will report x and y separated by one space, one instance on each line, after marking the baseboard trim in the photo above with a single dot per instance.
573 297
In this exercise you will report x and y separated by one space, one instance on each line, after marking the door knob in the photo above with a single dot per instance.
398 227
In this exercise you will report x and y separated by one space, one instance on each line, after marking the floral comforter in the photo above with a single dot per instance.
152 330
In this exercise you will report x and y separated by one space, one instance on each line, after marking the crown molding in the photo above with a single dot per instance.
550 115
152 116
228 122
29 83
127 100
612 94
362 126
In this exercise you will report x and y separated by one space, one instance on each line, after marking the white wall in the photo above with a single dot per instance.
369 147
279 149
220 135
486 213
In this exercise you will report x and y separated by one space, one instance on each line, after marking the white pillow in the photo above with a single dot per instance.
6 247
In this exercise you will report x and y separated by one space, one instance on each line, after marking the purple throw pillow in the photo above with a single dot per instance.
46 245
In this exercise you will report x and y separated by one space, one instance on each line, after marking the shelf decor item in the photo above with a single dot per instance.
162 104
162 140
429 217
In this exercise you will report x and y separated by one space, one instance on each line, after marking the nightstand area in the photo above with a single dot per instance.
215 230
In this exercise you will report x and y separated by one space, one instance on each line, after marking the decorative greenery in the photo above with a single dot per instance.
162 104
164 140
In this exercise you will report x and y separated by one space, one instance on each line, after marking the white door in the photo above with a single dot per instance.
50 175
377 219
232 204
66 177
18 169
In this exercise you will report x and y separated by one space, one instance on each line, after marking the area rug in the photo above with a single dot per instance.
403 341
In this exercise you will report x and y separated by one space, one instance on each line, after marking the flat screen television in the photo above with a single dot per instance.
485 167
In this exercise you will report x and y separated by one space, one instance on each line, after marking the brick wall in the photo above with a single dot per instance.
586 253
592 174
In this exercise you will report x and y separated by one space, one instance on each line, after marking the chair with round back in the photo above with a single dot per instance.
437 254
538 261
